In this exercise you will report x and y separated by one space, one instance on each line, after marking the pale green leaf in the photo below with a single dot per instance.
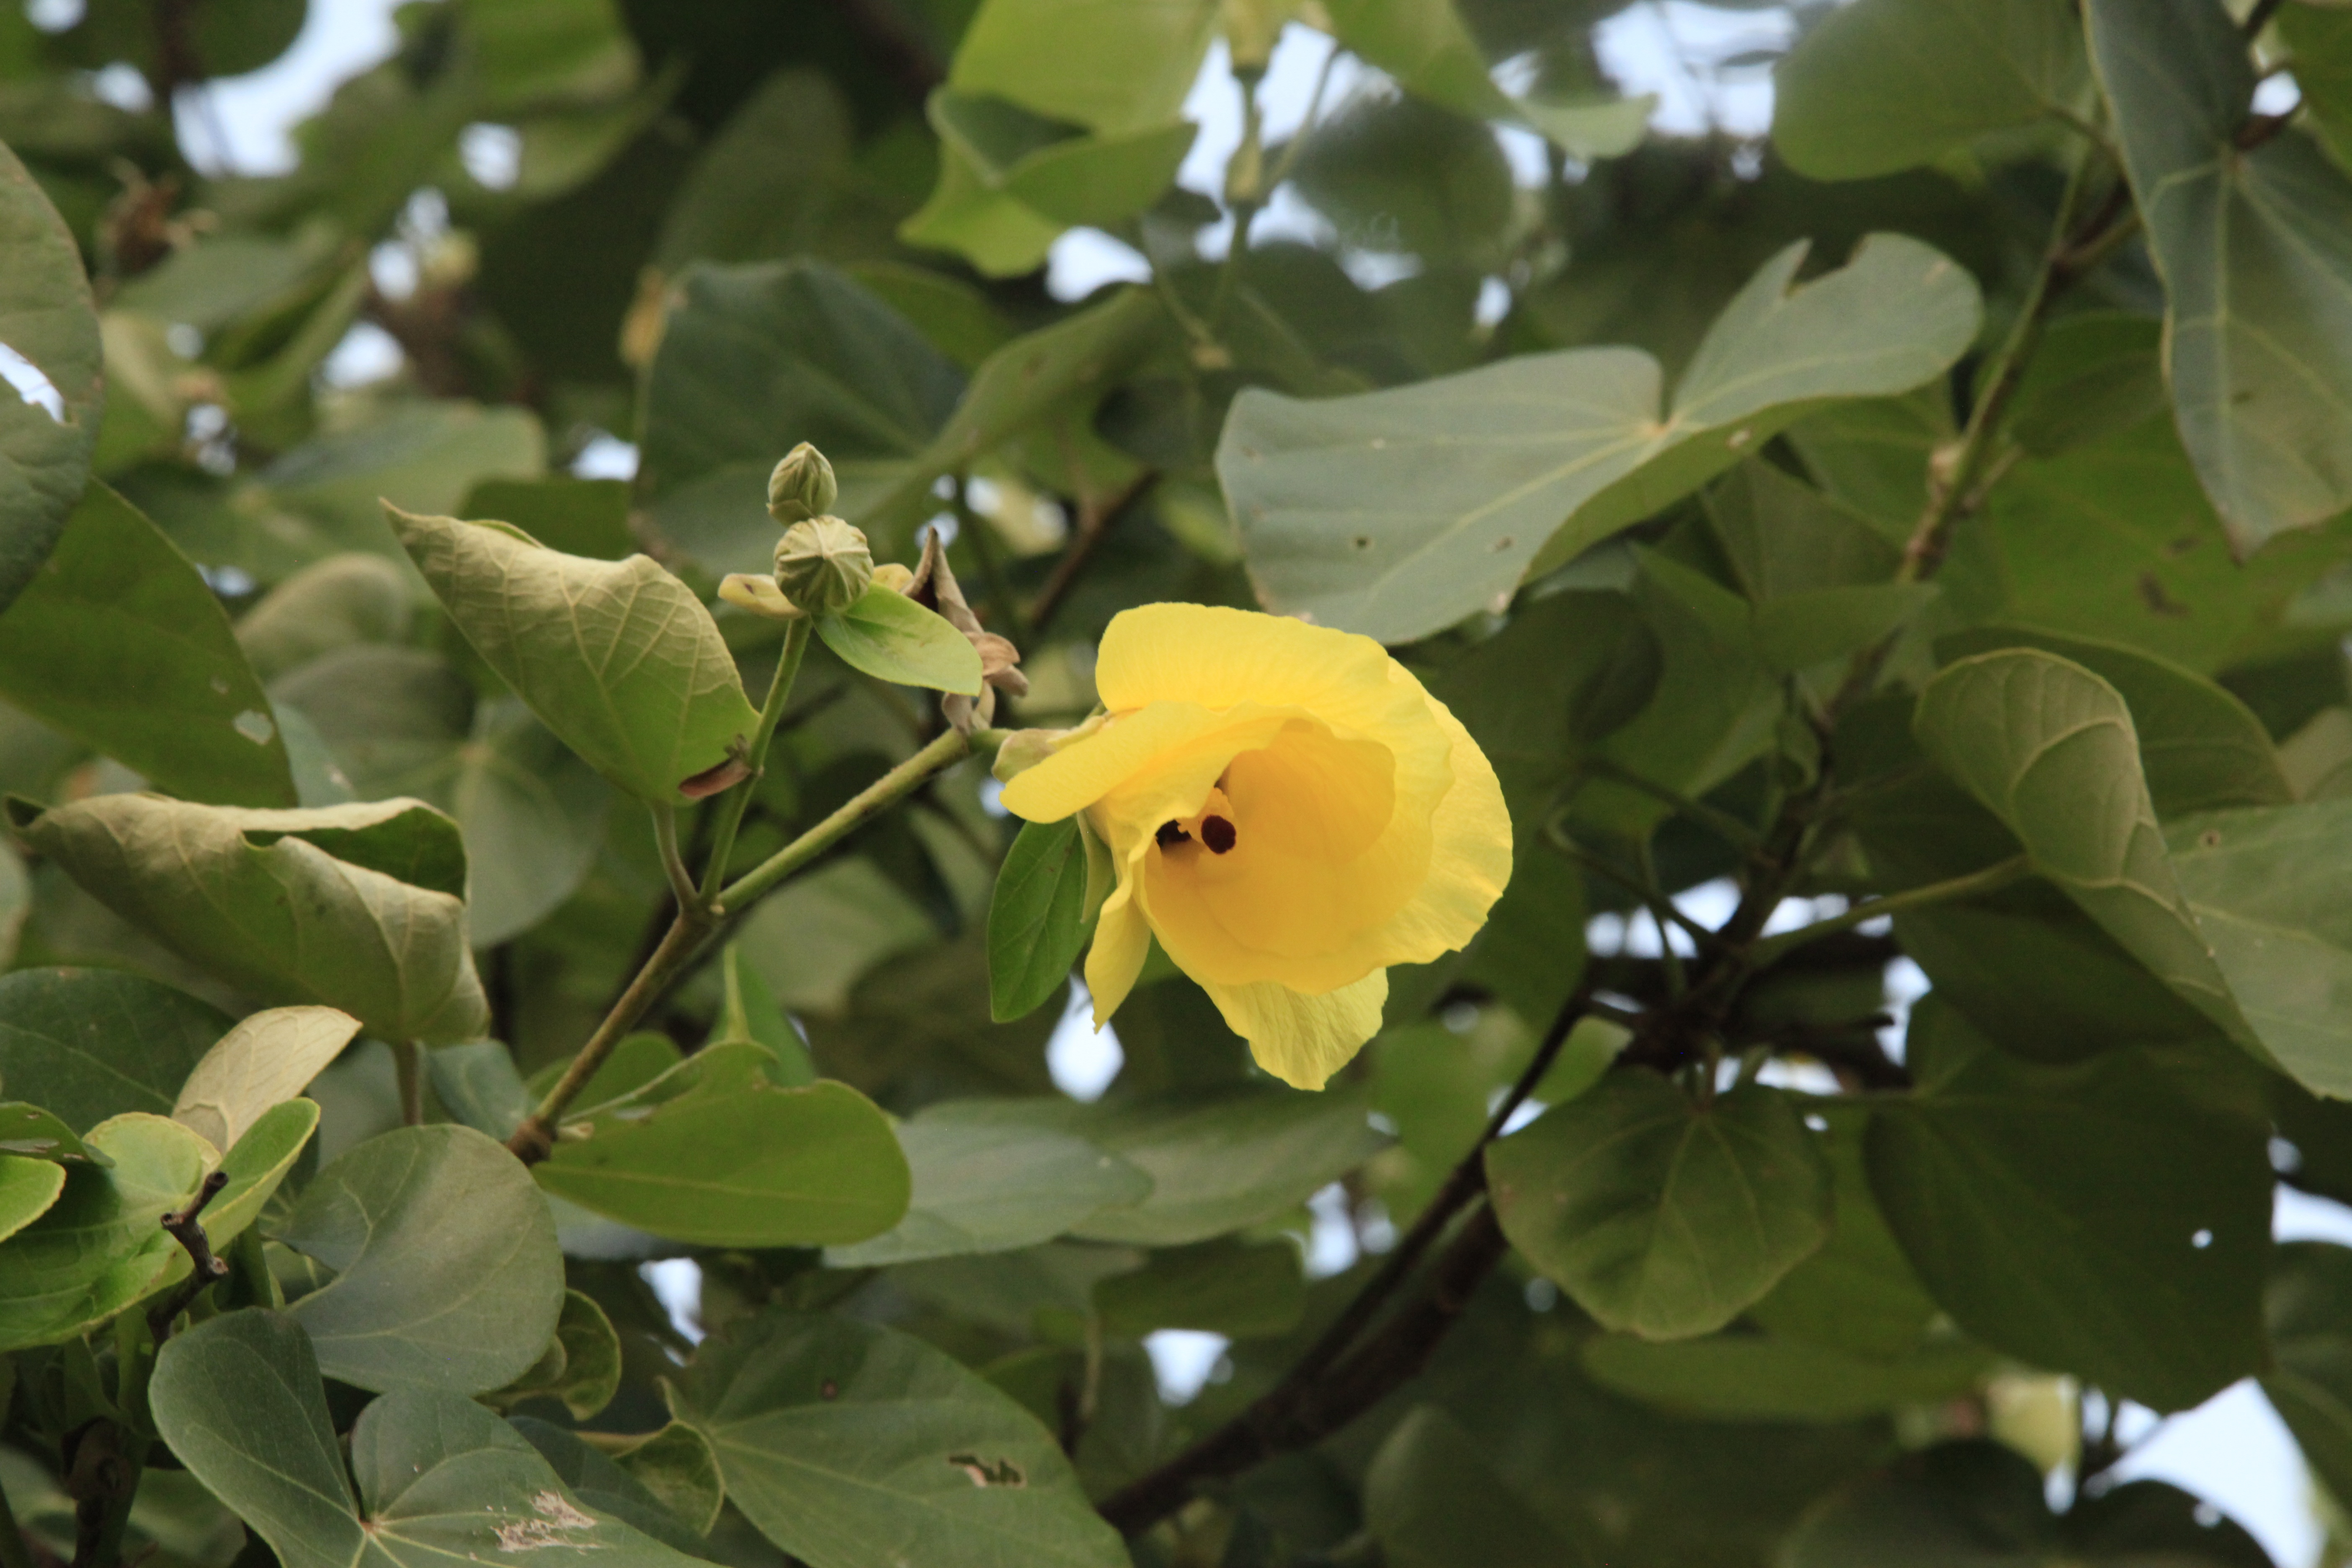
446 1273
267 1060
1108 65
979 1186
27 1187
619 659
119 643
1662 1217
893 639
853 1446
1396 514
1882 85
2254 245
354 907
47 320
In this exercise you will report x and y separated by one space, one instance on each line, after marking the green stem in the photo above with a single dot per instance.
694 927
408 1067
681 881
732 807
951 748
1992 880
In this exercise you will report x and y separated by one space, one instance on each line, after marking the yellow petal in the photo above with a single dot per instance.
1122 941
1469 858
1301 1039
1221 658
1128 748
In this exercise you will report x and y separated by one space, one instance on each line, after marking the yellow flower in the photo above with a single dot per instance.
1287 811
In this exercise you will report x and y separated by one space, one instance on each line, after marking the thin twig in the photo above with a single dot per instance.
186 1227
408 1074
1096 514
1992 880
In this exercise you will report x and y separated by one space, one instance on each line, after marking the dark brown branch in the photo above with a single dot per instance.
1327 1387
1096 514
187 1228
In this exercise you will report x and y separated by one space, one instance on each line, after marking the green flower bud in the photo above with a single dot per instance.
802 487
823 565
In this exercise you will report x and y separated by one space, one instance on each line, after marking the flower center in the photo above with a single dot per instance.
1217 832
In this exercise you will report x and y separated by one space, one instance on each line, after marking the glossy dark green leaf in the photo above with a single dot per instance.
893 639
88 1044
47 321
1886 84
1535 459
853 1446
2109 1219
1036 924
239 1400
1662 1217
979 1186
446 1273
619 659
118 642
716 1151
2254 245
356 907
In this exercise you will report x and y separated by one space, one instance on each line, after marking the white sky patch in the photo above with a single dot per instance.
605 457
32 383
1082 1062
1183 1360
676 1284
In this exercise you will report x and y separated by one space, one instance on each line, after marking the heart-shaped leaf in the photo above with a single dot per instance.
239 1400
1662 1218
853 1446
716 1151
618 658
356 907
446 1270
1398 512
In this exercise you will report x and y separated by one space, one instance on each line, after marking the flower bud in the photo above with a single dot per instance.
802 487
823 565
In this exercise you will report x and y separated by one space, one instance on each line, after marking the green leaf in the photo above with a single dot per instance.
2266 887
27 1187
268 1058
1399 176
354 907
1979 1504
424 455
748 1012
755 358
715 1151
1036 924
814 938
1662 1217
92 1043
2094 376
48 321
853 1446
1240 1290
1218 1158
2049 748
257 1162
1102 64
619 659
676 1466
239 1400
581 1367
578 517
1760 1377
1432 1499
446 1273
2311 1384
2108 1219
118 642
1888 84
1398 512
399 721
979 1186
28 1130
340 602
98 1248
1858 1295
605 1486
2254 245
893 639
2201 748
2318 39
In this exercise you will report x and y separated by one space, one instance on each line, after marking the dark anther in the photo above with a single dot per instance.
1169 836
1217 834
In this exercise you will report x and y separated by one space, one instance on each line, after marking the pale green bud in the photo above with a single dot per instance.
802 487
823 565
